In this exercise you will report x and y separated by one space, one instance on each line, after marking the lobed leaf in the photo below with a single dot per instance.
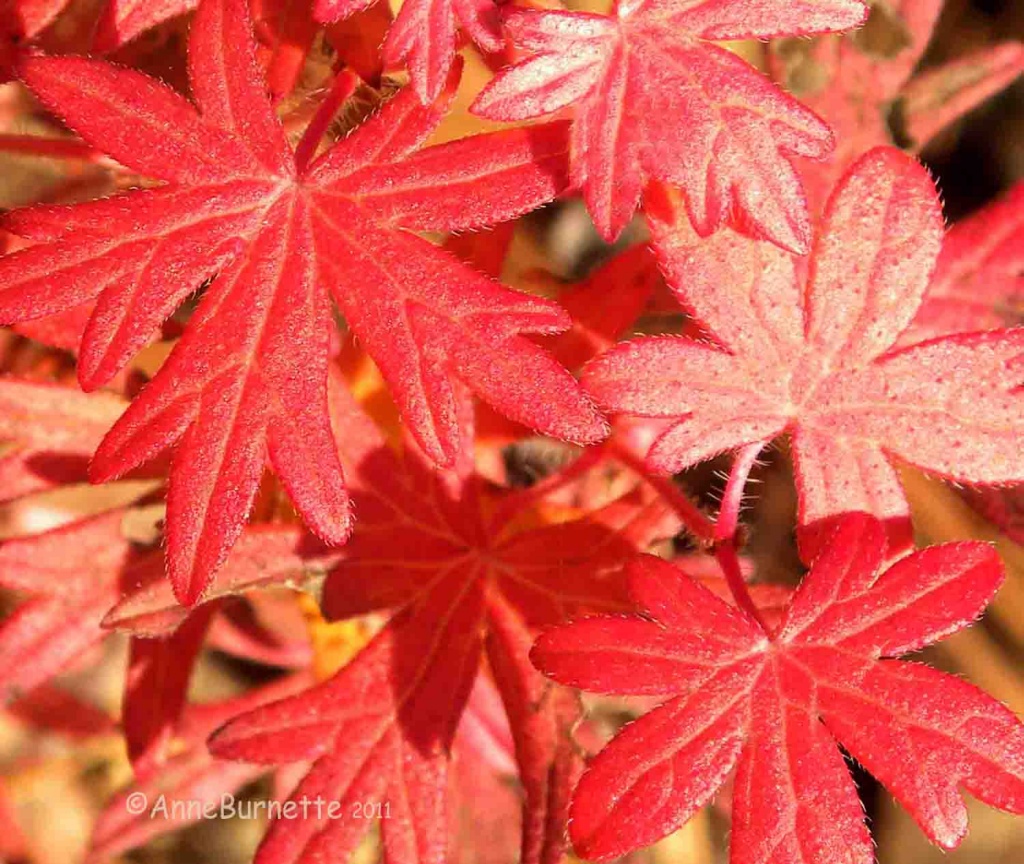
850 400
770 703
628 75
247 383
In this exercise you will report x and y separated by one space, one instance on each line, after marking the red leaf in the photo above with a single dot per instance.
424 35
55 710
863 85
979 278
73 575
247 382
123 20
462 575
268 628
34 16
284 32
818 361
156 686
488 804
653 99
21 22
484 729
541 719
605 305
1003 507
758 700
264 556
190 780
935 98
58 429
63 330
357 40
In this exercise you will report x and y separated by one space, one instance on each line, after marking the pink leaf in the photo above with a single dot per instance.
628 75
820 362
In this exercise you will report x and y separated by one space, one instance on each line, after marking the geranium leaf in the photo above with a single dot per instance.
758 700
653 99
820 361
461 578
247 382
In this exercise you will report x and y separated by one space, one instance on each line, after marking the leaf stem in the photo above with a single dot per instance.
520 498
726 526
729 513
689 513
729 561
344 85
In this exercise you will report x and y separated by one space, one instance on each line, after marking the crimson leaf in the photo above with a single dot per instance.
864 85
816 359
653 98
769 704
464 578
247 381
424 35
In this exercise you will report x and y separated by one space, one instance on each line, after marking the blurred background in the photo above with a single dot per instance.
54 783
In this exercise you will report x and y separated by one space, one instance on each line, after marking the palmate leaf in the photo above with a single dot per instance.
424 35
53 630
769 703
979 284
247 382
817 359
71 576
865 86
72 582
81 578
979 278
466 577
188 782
654 99
53 429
